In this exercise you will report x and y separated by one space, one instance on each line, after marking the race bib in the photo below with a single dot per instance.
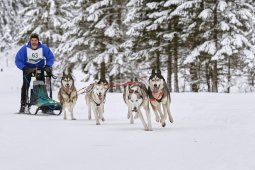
34 56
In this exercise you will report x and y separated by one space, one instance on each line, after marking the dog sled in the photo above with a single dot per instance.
39 97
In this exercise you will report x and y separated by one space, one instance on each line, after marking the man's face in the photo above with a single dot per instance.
34 43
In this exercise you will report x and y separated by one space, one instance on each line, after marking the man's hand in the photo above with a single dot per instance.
27 70
48 70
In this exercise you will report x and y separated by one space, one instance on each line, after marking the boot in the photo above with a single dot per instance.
22 109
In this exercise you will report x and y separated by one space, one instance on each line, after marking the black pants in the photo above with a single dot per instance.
26 84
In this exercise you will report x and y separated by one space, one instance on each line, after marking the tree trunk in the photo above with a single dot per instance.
208 76
229 75
214 63
111 77
102 70
252 78
169 72
193 77
169 63
176 82
214 77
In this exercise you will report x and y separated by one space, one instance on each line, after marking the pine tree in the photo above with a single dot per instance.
156 31
8 12
106 35
44 18
72 48
224 26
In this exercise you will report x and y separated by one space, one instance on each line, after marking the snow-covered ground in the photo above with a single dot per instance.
210 132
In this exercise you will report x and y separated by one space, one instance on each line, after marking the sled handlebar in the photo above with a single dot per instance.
36 71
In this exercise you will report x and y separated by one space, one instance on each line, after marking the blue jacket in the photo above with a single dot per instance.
40 57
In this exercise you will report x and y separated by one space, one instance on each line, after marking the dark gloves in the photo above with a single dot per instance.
27 70
48 70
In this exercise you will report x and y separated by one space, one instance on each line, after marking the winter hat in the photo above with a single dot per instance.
34 35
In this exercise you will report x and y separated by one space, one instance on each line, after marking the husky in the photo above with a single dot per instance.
67 94
135 96
159 97
95 99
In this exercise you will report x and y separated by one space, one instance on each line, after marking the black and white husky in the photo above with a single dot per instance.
95 100
136 97
159 97
67 94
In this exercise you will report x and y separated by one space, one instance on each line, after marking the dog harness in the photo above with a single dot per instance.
158 98
98 104
69 93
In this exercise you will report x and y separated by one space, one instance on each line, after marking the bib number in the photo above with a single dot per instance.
34 56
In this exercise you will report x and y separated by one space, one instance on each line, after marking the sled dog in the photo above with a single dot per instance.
136 97
67 94
159 97
95 100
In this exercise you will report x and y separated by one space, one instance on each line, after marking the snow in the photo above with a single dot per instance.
210 132
205 14
173 2
222 5
152 5
112 31
224 26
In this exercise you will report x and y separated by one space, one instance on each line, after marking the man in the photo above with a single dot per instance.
33 55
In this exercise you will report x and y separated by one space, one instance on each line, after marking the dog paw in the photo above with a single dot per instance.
157 119
73 118
163 124
171 120
146 129
98 123
103 119
64 118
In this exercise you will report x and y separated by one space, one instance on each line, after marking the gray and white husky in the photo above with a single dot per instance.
159 97
95 100
67 94
135 96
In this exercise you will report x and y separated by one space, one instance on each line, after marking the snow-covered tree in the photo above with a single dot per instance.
224 28
8 18
44 18
94 35
205 45
156 34
106 34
